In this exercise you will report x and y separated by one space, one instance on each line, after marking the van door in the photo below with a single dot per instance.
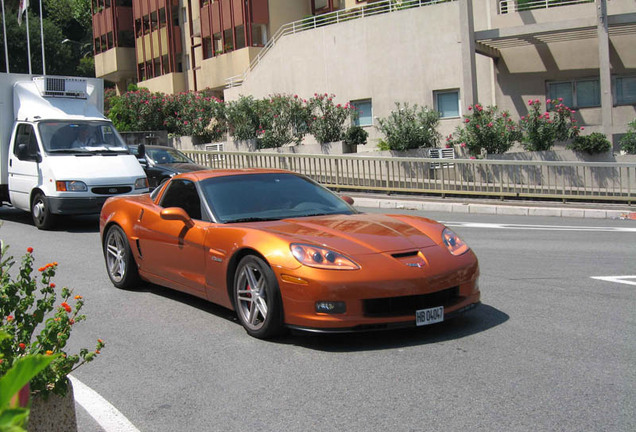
24 170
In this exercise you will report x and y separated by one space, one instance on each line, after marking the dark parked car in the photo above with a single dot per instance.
161 162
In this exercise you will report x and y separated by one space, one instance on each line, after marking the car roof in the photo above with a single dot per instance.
211 173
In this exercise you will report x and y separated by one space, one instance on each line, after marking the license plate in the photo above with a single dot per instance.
429 316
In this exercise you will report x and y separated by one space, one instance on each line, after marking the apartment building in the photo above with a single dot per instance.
445 54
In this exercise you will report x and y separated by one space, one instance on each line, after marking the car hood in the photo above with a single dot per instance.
355 234
179 168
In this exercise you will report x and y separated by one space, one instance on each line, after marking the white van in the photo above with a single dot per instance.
60 155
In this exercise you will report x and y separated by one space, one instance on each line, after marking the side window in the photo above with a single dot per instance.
183 193
26 144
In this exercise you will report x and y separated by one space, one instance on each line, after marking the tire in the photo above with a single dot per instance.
259 310
120 264
42 217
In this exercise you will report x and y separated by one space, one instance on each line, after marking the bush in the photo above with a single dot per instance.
628 142
355 135
409 128
328 121
284 120
594 143
541 130
37 323
486 129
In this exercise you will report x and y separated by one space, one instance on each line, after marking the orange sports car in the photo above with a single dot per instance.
285 252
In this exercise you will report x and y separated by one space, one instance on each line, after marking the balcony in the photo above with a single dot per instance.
116 64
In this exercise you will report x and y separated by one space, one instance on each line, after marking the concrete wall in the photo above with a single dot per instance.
398 57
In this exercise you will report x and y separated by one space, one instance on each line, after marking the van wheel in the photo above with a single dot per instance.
42 217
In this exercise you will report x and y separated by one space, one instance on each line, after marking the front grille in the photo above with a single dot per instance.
111 190
407 305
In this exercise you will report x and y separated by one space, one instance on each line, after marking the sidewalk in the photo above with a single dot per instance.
495 206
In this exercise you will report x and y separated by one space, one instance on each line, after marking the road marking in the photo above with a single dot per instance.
617 279
108 417
538 227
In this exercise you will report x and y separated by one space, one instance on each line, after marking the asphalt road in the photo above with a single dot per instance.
550 349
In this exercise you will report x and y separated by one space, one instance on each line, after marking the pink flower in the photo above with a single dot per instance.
523 117
185 122
490 124
560 99
463 144
448 146
530 102
467 120
479 108
536 101
582 128
473 157
548 101
470 107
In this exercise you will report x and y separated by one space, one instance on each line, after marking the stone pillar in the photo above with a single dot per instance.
604 68
469 70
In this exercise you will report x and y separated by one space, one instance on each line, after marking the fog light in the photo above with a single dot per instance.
330 307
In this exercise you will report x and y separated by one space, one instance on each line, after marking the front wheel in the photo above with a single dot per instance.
120 264
42 217
257 298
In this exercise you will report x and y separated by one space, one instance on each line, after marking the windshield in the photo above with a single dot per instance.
272 196
166 155
80 137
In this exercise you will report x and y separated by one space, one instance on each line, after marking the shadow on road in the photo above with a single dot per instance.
476 321
73 224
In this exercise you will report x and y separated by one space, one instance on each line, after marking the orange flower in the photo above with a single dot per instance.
22 346
66 307
97 352
100 341
78 297
71 321
49 352
30 250
10 318
52 285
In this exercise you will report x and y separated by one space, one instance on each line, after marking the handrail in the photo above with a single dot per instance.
316 21
508 6
565 180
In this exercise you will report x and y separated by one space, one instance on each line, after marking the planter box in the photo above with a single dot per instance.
56 413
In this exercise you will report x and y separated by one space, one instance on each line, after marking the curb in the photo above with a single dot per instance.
492 209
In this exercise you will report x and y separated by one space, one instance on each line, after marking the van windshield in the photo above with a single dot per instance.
80 136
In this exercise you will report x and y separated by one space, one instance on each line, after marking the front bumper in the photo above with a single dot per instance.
76 206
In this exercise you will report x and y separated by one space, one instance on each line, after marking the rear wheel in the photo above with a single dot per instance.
120 264
257 298
42 217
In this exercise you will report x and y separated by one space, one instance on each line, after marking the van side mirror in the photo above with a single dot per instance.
23 154
141 151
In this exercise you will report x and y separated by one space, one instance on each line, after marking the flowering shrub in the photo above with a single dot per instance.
284 119
594 143
38 323
628 141
487 129
188 113
409 128
244 118
542 129
328 120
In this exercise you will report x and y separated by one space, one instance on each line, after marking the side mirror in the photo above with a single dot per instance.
23 154
178 214
141 151
347 199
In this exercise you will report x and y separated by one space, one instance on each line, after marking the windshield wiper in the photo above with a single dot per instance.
73 150
252 219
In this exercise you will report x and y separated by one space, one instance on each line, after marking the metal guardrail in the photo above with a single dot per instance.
508 6
583 181
375 8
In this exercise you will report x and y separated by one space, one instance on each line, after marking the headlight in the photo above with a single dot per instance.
141 183
455 245
315 256
70 186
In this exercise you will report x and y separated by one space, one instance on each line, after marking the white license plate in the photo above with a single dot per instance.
429 316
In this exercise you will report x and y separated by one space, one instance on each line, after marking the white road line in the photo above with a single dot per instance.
539 227
617 279
108 417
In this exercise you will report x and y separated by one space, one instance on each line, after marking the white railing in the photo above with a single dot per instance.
571 181
375 8
509 6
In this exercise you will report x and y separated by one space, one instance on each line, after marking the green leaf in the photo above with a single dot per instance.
23 370
11 420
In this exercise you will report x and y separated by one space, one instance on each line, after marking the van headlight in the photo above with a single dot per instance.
141 183
70 186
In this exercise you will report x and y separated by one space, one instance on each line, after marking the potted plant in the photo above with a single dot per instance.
38 318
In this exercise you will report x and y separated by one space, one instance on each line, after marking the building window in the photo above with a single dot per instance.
207 48
447 103
625 90
364 108
576 94
240 37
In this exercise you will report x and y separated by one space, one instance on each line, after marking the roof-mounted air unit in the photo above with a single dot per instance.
61 87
